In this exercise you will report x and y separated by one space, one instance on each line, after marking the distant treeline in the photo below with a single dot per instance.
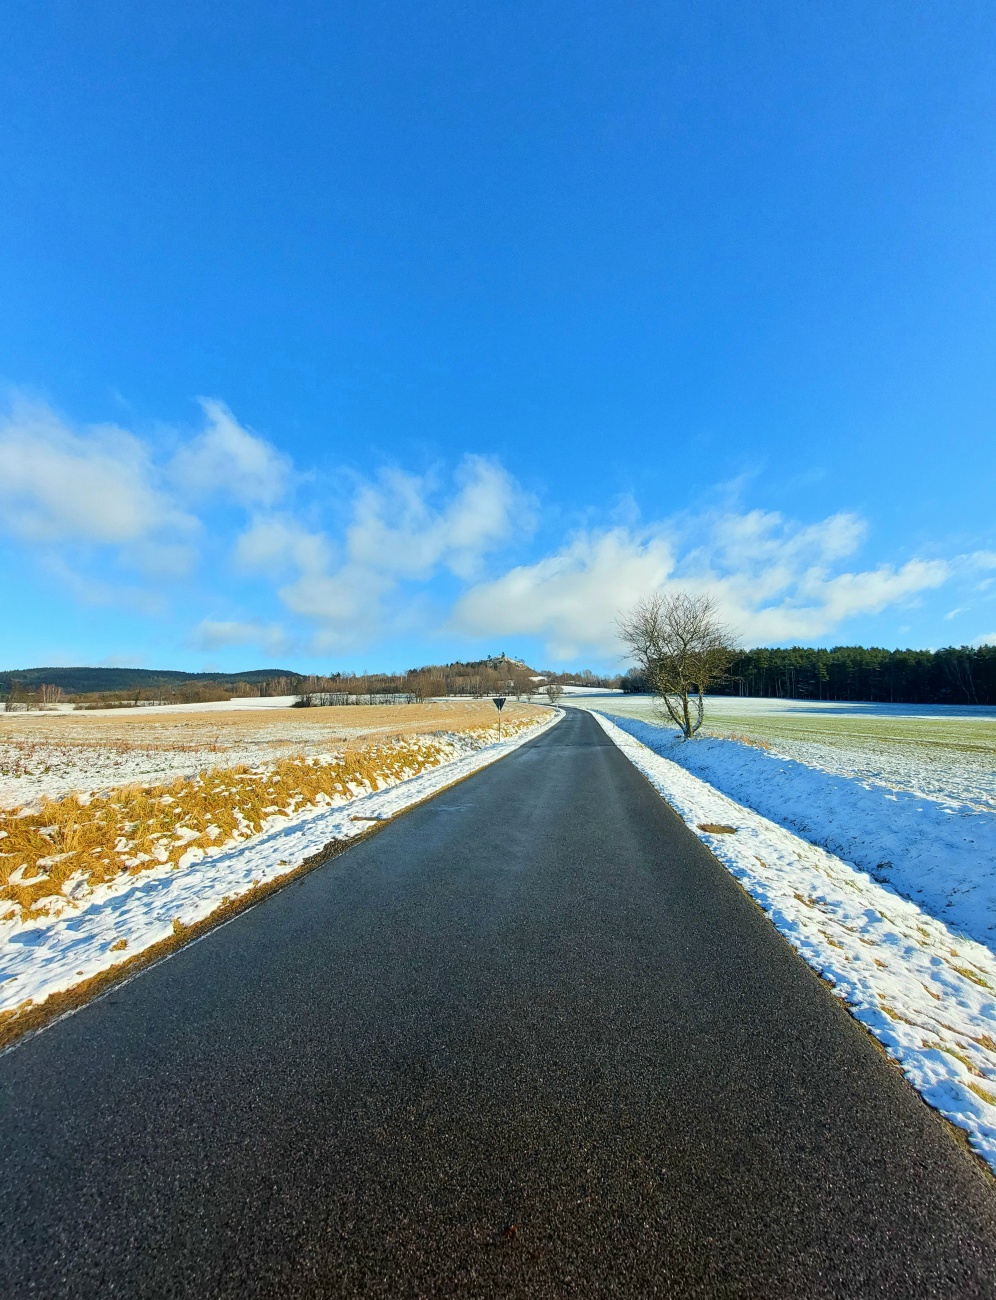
110 687
82 681
124 687
482 677
955 675
494 676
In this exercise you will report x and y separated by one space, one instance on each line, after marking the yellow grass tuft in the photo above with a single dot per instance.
960 1056
893 1014
972 975
69 846
755 742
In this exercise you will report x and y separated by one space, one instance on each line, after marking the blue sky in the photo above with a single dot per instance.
355 336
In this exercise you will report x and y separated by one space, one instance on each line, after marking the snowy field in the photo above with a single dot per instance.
104 925
946 753
54 753
909 797
927 994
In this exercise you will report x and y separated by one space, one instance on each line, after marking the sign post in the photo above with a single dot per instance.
499 703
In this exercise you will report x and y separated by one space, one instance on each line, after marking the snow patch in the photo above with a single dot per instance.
939 853
927 994
105 925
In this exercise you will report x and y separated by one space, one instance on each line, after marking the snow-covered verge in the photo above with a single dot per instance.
132 913
32 771
941 855
926 994
52 755
942 752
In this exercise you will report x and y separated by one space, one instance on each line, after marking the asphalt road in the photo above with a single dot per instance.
528 1040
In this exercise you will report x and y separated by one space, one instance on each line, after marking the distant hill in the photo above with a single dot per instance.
497 674
84 681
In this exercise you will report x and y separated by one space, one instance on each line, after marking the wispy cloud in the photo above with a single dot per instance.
774 579
211 634
95 498
402 529
95 485
119 517
229 459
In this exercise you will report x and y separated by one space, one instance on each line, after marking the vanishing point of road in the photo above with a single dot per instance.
529 1040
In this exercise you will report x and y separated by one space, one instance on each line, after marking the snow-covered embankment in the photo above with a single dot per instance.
928 995
137 913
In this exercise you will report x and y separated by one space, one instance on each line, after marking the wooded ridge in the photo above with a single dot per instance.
953 675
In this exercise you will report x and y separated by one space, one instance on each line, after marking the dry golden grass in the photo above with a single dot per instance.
755 742
53 755
17 1021
970 974
893 1014
76 843
206 729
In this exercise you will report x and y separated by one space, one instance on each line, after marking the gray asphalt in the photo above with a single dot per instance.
528 1040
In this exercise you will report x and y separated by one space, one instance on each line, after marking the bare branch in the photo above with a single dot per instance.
683 648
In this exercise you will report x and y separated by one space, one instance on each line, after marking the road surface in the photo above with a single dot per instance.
530 1040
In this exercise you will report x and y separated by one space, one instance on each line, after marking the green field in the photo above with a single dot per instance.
943 751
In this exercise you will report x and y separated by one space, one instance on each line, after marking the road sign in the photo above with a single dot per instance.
499 702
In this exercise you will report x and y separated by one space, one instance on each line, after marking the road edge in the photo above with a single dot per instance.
37 1017
943 1087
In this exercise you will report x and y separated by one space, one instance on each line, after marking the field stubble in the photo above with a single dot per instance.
54 852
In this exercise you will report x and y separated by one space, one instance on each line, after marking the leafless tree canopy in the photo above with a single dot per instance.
683 647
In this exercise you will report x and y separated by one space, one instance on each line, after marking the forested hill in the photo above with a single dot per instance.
81 681
956 675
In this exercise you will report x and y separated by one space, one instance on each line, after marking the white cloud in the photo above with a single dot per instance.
396 530
403 528
213 634
96 501
774 580
94 498
276 544
348 606
762 538
571 598
989 638
98 485
230 459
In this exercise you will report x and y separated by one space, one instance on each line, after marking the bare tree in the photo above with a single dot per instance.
683 647
553 692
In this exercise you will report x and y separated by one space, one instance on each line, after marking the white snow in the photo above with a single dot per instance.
591 690
45 762
40 958
936 850
927 994
943 752
208 706
50 769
